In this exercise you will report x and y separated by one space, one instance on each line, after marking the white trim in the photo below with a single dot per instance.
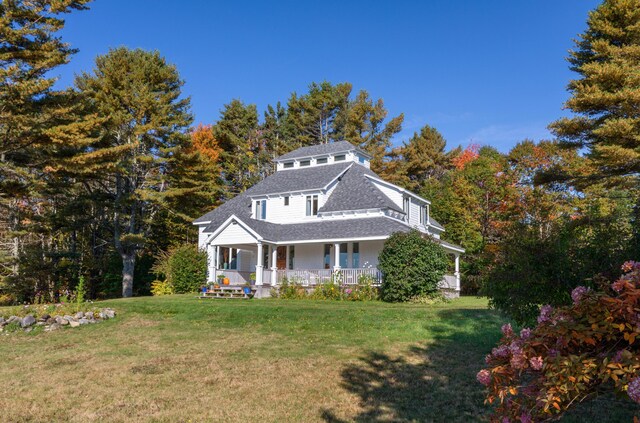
400 189
226 223
201 223
333 153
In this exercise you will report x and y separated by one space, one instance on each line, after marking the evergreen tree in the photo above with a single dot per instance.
366 129
140 96
30 111
606 96
319 116
238 135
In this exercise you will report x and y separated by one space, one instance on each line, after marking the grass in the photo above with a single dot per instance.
175 358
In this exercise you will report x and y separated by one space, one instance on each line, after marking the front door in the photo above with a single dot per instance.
281 261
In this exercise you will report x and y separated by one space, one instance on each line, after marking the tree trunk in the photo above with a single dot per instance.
128 266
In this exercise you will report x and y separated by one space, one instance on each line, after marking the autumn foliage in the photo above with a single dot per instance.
574 353
204 141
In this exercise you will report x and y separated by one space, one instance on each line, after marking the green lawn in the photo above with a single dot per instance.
181 359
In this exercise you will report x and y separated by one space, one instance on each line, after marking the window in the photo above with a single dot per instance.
305 163
288 165
344 255
321 161
286 200
406 206
265 257
424 215
339 158
327 256
361 159
312 205
355 255
234 259
292 254
261 209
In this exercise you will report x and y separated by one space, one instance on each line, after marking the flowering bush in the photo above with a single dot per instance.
161 288
574 353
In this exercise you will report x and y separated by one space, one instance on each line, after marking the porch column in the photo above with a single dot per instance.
457 272
211 254
274 265
336 257
259 264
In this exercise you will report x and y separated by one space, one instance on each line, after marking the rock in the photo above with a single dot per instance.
45 317
73 324
27 321
83 321
54 326
51 320
88 315
41 323
101 315
2 321
29 329
109 313
79 315
58 319
69 318
13 319
63 322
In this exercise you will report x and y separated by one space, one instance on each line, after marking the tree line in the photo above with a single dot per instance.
99 178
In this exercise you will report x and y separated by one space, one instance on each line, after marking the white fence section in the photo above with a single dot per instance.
310 277
236 277
318 276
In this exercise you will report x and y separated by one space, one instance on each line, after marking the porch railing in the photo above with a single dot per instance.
319 276
236 277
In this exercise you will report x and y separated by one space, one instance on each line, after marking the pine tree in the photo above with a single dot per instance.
139 94
238 135
319 116
606 96
366 129
30 110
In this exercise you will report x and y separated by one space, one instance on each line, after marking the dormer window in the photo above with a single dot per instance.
286 200
406 206
312 205
323 160
339 158
424 215
261 210
361 159
305 163
288 165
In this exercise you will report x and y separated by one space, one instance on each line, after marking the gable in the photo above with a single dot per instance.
234 232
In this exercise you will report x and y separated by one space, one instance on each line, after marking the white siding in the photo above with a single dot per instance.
369 252
393 193
202 237
232 235
414 215
309 256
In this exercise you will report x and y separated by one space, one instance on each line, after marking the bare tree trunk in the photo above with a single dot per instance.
128 266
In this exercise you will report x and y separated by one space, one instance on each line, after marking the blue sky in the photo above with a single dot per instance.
491 72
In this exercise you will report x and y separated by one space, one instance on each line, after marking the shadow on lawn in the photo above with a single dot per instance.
433 382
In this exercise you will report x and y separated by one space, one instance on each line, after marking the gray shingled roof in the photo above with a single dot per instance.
319 149
357 192
316 177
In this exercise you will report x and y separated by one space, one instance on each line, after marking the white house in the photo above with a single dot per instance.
322 211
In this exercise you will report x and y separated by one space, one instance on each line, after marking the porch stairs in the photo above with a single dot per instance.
228 292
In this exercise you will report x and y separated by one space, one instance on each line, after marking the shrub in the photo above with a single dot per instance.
327 291
161 288
184 268
574 353
412 266
290 290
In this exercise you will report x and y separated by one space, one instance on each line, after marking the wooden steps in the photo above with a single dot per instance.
228 292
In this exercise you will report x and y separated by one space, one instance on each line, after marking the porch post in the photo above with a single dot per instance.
259 264
457 272
211 254
274 265
336 257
